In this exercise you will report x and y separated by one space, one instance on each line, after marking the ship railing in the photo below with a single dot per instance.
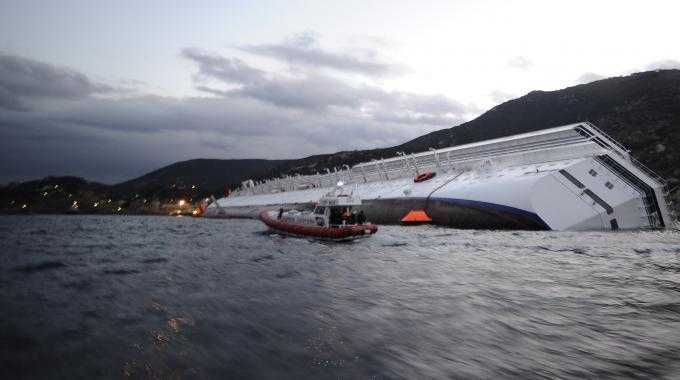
665 186
555 136
524 148
448 160
406 166
442 159
656 176
444 156
380 171
561 137
515 146
607 136
298 182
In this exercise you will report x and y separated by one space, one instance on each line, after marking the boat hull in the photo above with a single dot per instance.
341 233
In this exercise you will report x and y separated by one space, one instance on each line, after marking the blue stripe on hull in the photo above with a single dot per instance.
497 209
458 213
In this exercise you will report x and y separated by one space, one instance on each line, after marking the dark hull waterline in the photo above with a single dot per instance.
458 213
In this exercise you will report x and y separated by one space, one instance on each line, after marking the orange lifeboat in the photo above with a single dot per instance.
422 177
416 217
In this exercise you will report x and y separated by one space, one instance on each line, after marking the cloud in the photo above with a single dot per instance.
519 62
24 80
116 139
501 97
417 119
667 64
296 92
316 92
230 70
249 113
303 50
589 77
10 101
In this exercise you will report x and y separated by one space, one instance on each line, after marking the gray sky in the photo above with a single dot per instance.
111 90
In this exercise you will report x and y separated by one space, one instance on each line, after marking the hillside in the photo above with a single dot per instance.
54 195
209 175
641 110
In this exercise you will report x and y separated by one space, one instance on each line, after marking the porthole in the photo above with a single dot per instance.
592 172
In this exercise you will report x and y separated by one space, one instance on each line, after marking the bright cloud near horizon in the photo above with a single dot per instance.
112 90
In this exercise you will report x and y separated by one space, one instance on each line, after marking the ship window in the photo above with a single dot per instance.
318 210
609 185
614 224
592 172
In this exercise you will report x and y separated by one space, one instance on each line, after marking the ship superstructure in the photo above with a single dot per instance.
573 177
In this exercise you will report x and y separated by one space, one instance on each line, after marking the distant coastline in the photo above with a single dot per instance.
73 195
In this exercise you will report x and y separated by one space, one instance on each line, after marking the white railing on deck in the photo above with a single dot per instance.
665 186
476 155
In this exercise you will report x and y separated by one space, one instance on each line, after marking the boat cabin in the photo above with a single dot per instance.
336 210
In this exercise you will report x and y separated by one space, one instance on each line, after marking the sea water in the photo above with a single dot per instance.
162 297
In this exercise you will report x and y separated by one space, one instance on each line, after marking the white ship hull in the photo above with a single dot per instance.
567 178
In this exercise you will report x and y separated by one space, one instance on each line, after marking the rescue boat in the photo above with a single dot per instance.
334 218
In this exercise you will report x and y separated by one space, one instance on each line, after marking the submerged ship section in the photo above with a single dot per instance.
573 177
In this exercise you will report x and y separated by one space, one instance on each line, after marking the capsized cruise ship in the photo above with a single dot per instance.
573 177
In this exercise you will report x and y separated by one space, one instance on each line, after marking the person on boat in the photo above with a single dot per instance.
353 217
361 218
280 213
335 217
346 215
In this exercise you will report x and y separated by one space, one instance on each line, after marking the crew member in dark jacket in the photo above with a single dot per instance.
361 218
